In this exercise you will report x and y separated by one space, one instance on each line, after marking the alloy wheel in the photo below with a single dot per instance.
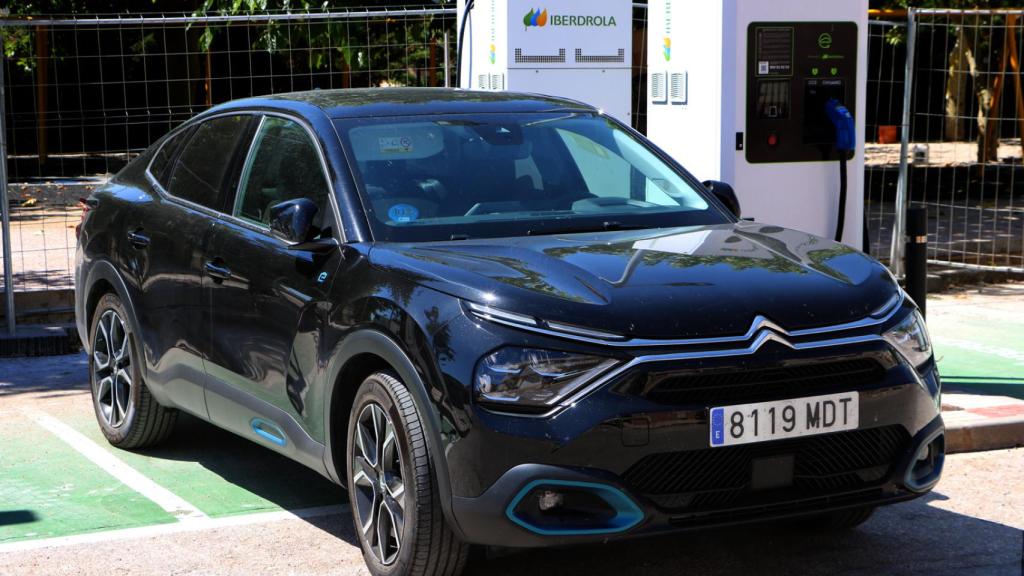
112 369
379 489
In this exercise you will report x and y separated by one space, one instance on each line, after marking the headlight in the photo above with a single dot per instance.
910 337
534 380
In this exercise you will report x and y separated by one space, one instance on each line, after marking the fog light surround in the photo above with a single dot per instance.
925 467
573 508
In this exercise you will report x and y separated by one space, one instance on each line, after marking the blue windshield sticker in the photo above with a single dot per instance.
403 213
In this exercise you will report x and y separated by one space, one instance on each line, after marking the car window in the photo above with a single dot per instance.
492 175
162 160
283 165
201 170
609 174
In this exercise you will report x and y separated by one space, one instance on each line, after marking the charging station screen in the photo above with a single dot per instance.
773 99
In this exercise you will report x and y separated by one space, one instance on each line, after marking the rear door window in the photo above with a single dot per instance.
160 167
202 169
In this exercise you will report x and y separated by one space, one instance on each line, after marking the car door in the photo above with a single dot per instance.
168 237
267 297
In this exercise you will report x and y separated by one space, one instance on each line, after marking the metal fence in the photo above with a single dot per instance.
884 107
82 96
961 143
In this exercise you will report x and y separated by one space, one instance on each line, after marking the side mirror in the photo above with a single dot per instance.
292 220
725 194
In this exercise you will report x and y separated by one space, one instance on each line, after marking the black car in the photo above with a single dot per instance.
498 319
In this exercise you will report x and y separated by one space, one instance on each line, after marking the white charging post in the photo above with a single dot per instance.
737 91
579 49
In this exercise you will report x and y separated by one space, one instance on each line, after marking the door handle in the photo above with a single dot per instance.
137 239
217 270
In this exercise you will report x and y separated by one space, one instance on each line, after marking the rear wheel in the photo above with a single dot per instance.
127 413
394 497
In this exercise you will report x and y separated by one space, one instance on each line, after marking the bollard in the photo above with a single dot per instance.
916 254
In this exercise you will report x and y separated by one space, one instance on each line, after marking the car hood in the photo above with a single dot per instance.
664 283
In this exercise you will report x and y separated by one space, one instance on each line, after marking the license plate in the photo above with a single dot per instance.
764 421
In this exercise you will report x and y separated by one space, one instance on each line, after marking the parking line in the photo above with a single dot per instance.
162 497
198 524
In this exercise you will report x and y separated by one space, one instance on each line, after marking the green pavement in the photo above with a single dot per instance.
220 473
47 489
980 352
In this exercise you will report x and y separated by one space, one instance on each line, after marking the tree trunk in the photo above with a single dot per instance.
990 97
962 68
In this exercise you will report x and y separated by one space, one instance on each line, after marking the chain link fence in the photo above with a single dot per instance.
82 96
884 107
962 151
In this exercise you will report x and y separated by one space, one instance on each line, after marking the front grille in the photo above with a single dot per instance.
717 478
736 386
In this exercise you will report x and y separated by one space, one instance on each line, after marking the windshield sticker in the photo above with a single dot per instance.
395 144
403 213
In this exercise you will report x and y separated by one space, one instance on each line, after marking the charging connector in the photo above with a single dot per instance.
846 142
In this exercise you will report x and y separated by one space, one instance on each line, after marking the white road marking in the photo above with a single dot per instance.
1016 356
130 477
199 524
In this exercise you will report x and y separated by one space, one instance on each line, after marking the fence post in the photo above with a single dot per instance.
5 232
917 255
903 185
447 63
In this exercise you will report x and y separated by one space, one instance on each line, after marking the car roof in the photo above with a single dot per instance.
366 102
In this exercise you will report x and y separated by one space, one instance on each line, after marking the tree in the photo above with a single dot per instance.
981 49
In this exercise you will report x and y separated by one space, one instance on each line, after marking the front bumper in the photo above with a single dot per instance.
654 453
491 519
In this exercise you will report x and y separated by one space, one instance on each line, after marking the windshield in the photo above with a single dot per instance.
460 176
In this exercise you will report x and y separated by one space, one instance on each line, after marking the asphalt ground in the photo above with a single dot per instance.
210 502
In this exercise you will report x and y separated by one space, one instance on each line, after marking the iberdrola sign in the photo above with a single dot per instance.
538 18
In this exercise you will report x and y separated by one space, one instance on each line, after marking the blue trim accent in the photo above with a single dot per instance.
627 513
268 431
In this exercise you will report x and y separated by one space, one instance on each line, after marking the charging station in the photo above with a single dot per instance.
760 95
579 49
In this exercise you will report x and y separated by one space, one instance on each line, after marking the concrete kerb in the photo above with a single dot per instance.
976 423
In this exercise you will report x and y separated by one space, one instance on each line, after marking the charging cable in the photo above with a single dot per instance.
846 142
462 34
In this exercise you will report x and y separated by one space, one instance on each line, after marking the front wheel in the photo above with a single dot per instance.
392 491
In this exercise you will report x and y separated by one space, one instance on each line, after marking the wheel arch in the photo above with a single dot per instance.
358 355
103 279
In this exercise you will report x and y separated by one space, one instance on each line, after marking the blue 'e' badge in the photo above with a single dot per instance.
403 213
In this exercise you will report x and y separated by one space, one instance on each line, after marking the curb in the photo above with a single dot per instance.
40 341
991 434
945 279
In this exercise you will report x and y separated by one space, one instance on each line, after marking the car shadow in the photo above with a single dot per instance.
910 538
48 376
252 468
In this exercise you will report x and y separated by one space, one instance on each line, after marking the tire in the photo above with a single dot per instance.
115 370
384 415
841 519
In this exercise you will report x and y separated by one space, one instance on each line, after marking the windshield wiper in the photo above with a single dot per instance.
603 227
